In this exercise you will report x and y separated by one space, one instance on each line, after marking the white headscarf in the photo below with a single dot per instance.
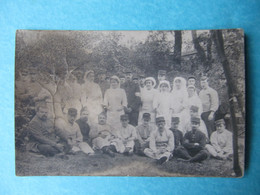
183 84
151 79
86 74
165 82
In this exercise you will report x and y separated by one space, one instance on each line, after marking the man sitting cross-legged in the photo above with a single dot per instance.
193 149
161 144
70 134
143 132
42 137
125 136
102 136
221 142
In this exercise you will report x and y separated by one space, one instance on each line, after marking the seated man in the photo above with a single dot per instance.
42 137
221 142
193 149
126 135
83 124
194 113
143 132
70 134
102 136
161 144
178 136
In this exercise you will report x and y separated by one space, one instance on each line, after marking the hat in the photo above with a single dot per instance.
160 119
191 77
162 72
135 77
195 119
220 121
150 79
72 111
128 71
175 119
115 78
194 108
204 78
165 82
147 116
124 117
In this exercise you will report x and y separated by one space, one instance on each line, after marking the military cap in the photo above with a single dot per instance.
195 119
175 119
72 111
160 119
135 77
191 77
146 116
204 78
194 108
220 121
124 117
162 72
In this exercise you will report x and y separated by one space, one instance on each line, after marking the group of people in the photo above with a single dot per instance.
127 115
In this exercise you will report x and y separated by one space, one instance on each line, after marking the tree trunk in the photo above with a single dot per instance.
232 91
201 53
177 49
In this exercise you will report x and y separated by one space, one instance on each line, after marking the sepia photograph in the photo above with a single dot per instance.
130 103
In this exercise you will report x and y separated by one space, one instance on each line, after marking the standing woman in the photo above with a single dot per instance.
148 94
115 101
180 101
162 102
91 96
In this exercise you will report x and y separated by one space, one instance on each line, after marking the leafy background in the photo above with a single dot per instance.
125 15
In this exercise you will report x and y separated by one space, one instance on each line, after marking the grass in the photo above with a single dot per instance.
28 164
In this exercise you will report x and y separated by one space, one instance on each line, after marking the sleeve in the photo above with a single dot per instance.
124 98
181 138
34 131
99 94
187 143
78 133
133 134
171 143
214 100
59 129
203 140
214 142
138 136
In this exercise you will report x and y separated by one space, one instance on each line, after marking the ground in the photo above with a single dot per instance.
28 164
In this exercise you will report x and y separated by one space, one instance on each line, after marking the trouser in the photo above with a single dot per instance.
121 147
157 155
133 117
193 156
84 147
139 148
209 123
214 152
47 150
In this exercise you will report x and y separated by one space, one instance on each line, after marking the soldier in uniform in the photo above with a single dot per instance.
193 149
161 143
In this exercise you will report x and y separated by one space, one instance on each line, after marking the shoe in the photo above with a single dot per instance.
162 160
110 153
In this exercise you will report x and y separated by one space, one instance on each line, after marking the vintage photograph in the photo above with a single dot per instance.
130 103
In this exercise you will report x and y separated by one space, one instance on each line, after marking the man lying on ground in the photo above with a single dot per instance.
70 134
143 132
42 137
193 149
102 136
161 143
221 142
